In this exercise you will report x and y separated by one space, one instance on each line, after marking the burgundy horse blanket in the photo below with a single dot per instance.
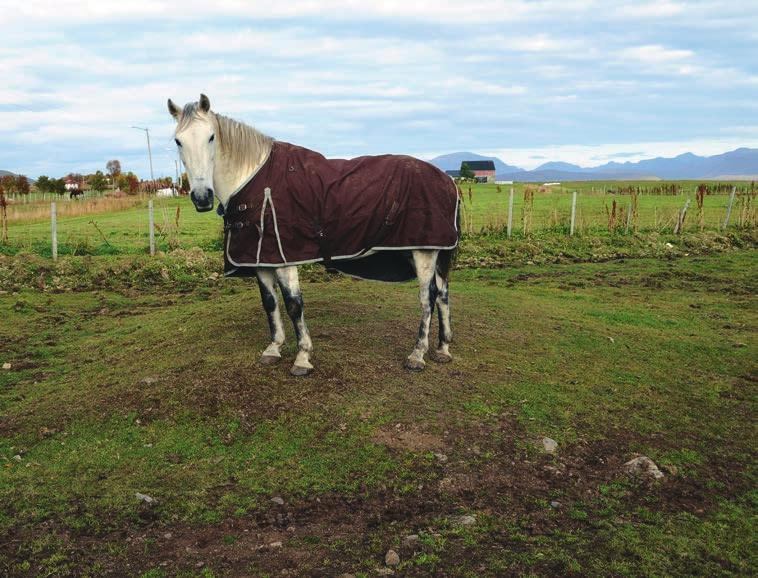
360 216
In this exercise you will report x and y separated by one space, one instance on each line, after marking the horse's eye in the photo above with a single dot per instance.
176 140
213 136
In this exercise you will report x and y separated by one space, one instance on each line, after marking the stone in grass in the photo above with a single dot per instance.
549 445
465 520
6 365
277 500
385 571
391 558
411 540
643 467
145 498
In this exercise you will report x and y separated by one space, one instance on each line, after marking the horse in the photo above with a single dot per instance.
388 217
75 194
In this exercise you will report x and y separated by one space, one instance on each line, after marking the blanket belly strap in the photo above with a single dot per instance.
324 246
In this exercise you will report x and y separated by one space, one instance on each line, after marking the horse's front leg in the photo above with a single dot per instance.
289 284
267 285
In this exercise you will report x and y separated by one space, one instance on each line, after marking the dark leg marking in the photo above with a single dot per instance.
271 307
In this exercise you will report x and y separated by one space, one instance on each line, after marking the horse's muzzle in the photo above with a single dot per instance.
204 201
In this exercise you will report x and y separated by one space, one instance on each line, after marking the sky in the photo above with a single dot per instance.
582 81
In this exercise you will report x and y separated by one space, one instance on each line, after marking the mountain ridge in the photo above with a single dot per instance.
740 162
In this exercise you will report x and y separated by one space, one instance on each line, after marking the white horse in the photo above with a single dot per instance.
220 155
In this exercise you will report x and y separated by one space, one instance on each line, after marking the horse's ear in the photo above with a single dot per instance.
205 104
173 109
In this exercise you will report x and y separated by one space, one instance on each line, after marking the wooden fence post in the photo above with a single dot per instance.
510 214
152 226
628 219
573 213
729 208
54 230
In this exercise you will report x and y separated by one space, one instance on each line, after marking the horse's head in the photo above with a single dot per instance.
195 137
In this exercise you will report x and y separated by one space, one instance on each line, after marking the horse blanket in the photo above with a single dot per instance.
300 207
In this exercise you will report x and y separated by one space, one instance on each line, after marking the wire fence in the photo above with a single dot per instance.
137 224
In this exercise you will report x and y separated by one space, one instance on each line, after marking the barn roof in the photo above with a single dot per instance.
481 165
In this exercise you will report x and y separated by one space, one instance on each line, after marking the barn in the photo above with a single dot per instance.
484 171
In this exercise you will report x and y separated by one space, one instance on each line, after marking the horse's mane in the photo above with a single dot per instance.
243 145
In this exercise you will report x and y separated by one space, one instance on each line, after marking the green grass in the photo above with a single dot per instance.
651 356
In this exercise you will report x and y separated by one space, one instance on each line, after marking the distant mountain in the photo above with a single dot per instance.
742 161
452 162
6 173
739 164
560 166
549 176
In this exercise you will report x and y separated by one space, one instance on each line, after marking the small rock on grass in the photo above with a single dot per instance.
6 365
549 445
643 467
145 498
385 571
391 558
463 520
411 540
277 500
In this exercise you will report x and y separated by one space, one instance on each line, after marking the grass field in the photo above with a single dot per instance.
101 229
130 374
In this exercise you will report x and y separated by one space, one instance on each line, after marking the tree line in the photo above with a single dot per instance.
99 181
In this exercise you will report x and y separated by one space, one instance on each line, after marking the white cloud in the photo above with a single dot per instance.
642 10
656 54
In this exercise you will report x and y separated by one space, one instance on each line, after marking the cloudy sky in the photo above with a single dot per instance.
583 81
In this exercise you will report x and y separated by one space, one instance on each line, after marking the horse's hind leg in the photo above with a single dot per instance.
442 354
425 263
267 285
289 283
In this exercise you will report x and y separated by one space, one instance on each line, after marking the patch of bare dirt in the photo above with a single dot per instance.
408 437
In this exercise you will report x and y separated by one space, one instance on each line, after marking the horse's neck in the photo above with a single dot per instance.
227 179
229 175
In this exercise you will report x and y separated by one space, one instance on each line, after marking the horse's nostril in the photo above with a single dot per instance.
209 192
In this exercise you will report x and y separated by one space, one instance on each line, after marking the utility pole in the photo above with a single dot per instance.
149 152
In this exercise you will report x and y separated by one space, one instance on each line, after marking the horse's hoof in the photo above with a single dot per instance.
441 357
415 364
300 371
270 359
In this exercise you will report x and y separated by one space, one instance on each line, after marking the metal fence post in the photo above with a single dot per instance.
152 226
729 208
54 229
510 213
573 213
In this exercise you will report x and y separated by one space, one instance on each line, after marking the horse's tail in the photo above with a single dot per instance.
446 258
445 261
